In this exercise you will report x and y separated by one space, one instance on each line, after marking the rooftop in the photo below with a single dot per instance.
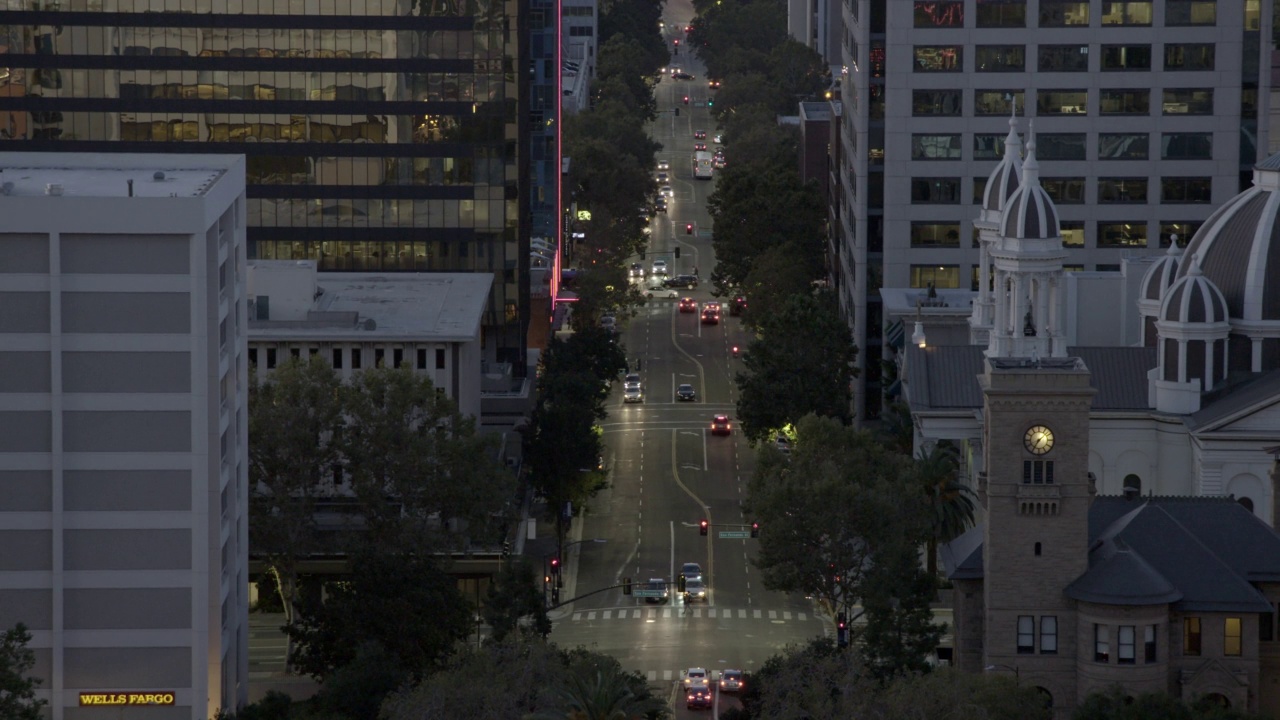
103 175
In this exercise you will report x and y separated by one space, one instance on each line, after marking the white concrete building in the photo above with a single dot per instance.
1148 111
123 433
362 320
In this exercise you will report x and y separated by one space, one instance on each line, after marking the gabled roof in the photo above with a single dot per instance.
962 557
1237 400
1118 576
945 377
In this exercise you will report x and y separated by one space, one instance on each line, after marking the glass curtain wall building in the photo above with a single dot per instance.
380 135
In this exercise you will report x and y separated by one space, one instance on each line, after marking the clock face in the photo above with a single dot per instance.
1039 440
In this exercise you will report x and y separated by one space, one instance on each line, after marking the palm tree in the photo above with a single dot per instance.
951 503
609 695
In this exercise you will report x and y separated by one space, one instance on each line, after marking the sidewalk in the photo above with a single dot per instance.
540 550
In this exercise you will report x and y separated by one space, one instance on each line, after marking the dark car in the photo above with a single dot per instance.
698 696
660 205
686 392
699 134
738 304
681 75
713 84
688 305
681 281
700 146
720 425
731 681
710 316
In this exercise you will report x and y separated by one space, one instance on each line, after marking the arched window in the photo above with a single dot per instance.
1246 503
1132 484
1046 696
1215 700
1037 549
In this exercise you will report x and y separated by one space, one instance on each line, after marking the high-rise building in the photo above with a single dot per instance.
380 135
1148 111
123 429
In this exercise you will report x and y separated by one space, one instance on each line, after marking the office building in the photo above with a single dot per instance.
123 429
380 135
1148 111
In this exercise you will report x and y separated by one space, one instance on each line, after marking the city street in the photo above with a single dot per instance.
667 471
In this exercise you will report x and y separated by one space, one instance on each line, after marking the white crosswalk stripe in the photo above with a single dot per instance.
755 614
591 616
577 616
685 612
786 615
773 614
609 613
801 617
743 613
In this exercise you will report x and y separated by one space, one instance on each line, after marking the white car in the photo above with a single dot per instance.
691 571
719 138
666 191
659 291
662 178
664 165
633 394
696 675
659 267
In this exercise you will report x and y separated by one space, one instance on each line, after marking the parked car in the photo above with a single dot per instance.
686 393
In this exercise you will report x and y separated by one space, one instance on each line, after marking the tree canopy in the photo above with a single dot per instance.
18 699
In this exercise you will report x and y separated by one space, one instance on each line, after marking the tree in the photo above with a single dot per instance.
416 463
758 208
1116 704
777 275
516 595
810 681
951 504
949 693
900 633
293 418
801 363
17 688
827 511
597 688
403 603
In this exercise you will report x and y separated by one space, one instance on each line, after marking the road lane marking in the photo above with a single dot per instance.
608 615
652 676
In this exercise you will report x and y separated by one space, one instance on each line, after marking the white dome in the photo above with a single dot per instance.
1005 179
1030 213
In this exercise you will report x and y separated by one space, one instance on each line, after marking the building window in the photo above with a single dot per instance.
939 58
1037 549
355 358
1063 58
1231 637
1064 13
1190 12
379 356
1186 190
938 103
422 358
979 190
1191 636
253 358
935 191
337 358
1122 190
1000 58
1026 634
939 13
1048 634
1126 57
1122 234
1123 146
1107 267
1062 102
1002 13
271 358
1132 484
933 235
1188 101
1072 233
935 147
1072 268
940 276
1037 472
439 358
1186 146
996 102
988 146
1126 13
1184 230
1101 643
1064 190
1126 645
295 353
1124 102
1149 643
1060 146
1188 56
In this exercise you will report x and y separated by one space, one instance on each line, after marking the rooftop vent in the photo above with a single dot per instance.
53 189
158 176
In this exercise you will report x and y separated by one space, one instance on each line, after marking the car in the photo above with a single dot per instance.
731 681
695 675
718 163
713 84
637 270
666 191
719 139
699 134
720 425
661 291
661 178
633 394
700 147
712 305
783 443
695 591
688 305
681 75
710 316
738 305
688 29
682 281
698 696
660 585
664 165
631 378
686 392
660 205
691 571
609 322
659 267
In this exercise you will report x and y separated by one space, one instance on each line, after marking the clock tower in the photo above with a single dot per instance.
1037 496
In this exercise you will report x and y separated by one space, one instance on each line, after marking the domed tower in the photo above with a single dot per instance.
1191 352
1238 248
1001 185
1027 256
1154 284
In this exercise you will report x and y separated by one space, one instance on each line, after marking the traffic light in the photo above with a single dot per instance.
626 586
686 99
842 631
702 528
555 566
755 530
677 251
710 102
676 42
680 583
688 228
546 579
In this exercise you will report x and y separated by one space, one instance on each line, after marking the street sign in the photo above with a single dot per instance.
647 593
735 534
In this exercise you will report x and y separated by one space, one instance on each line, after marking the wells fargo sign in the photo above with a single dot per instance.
126 698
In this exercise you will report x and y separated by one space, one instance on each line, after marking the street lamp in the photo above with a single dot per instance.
1017 680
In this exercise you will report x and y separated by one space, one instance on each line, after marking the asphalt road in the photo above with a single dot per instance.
667 472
